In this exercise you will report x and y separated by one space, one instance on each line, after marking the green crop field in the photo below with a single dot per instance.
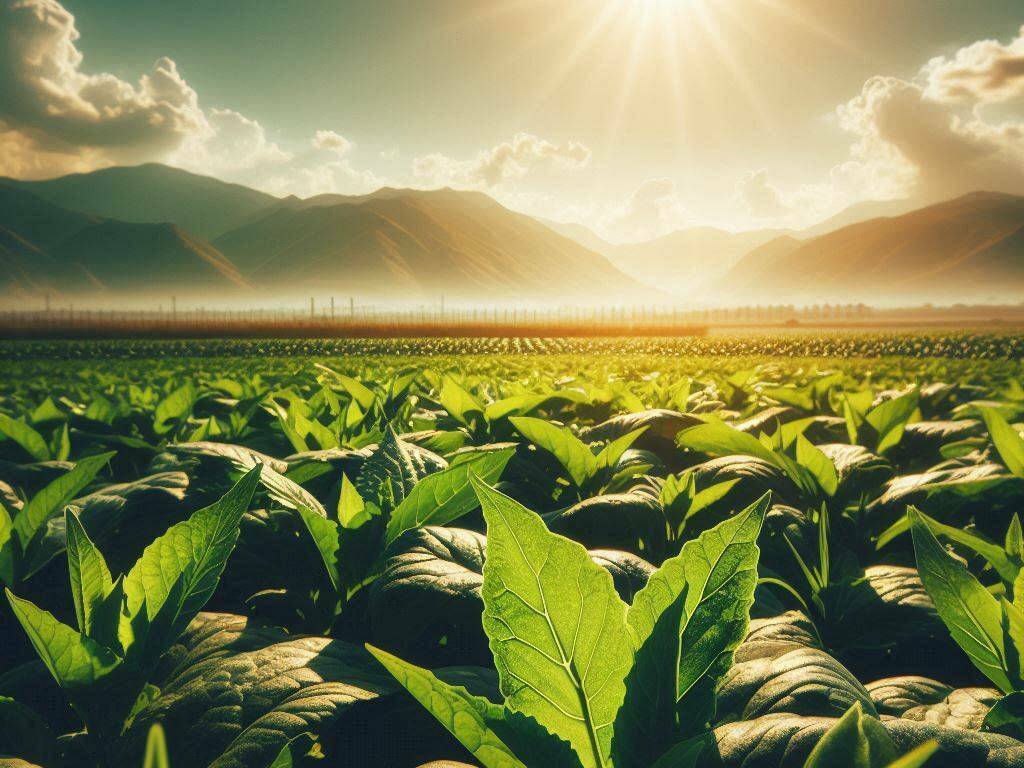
724 551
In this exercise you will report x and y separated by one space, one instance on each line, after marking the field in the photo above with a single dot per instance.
723 551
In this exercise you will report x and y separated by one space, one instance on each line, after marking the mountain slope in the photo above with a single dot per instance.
858 212
963 250
45 248
153 194
155 259
402 243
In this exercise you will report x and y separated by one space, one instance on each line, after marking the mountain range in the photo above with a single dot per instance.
155 231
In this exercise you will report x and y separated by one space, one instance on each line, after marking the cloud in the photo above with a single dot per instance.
50 105
311 176
911 145
984 72
332 142
652 210
511 159
760 197
229 144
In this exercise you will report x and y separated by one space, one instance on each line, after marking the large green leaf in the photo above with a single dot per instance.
8 547
998 557
889 418
21 433
175 406
557 628
855 741
389 475
51 499
179 571
686 624
445 496
90 578
1007 441
470 719
75 661
819 465
1007 716
572 453
460 404
326 535
719 439
971 613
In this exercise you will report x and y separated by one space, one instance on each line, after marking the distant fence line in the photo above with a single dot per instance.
371 321
358 322
506 315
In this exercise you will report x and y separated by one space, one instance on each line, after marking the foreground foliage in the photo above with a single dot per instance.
626 560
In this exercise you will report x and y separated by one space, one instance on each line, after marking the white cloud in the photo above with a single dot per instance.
332 142
511 159
50 105
760 197
651 211
911 145
984 72
925 138
318 178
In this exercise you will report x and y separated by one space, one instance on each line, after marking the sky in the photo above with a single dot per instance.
632 117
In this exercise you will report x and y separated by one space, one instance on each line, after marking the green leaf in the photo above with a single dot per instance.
855 741
685 625
90 578
283 490
1007 716
556 626
572 453
470 719
111 624
293 752
1015 540
61 446
705 498
389 475
996 556
179 571
51 499
176 405
156 748
22 434
459 403
520 405
8 545
971 613
855 408
47 411
1008 443
445 496
819 465
352 511
326 535
611 453
889 418
75 661
717 438
361 394
917 757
